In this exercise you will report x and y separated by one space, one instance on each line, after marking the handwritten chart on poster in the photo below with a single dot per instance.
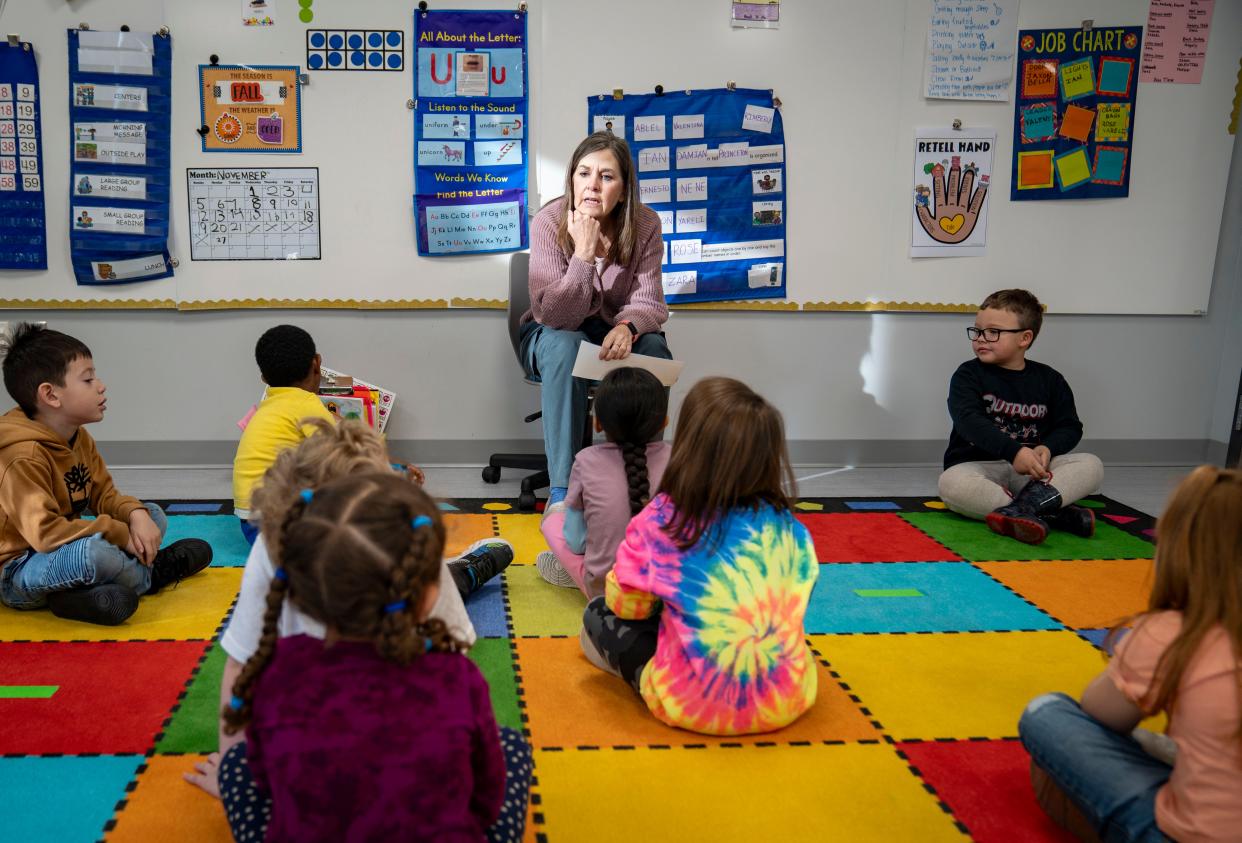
1073 121
952 174
239 214
470 132
120 106
23 225
1177 39
250 108
970 48
711 163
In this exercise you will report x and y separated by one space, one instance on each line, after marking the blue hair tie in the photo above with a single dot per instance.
421 521
281 575
395 606
236 703
307 494
429 643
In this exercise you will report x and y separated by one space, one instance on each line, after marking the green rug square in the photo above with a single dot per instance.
195 726
972 540
540 608
495 659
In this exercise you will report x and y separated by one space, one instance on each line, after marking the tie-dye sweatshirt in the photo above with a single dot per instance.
731 657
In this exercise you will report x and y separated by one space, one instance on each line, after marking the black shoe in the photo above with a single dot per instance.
179 560
1023 518
482 561
108 604
1076 520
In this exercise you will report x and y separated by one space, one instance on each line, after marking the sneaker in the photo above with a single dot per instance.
179 560
482 560
108 604
552 571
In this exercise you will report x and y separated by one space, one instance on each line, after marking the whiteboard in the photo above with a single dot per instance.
850 77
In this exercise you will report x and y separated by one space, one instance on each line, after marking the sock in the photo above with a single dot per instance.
557 494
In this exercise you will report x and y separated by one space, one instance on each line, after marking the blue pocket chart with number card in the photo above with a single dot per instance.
711 163
120 106
23 226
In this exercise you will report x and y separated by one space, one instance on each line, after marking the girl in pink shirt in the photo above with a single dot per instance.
609 483
1181 658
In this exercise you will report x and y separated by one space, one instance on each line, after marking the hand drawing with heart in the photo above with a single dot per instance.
955 212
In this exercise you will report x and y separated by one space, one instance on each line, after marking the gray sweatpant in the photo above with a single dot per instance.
974 489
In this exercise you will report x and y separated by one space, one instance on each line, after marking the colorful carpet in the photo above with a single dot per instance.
931 633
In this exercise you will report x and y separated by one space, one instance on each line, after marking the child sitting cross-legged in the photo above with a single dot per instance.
703 610
383 729
609 483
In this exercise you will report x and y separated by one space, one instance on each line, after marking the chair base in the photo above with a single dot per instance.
530 484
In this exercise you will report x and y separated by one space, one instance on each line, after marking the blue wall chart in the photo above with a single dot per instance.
470 131
712 164
119 116
23 226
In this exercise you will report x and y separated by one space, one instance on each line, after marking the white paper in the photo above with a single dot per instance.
614 123
652 159
495 153
680 283
773 154
764 275
970 50
472 71
142 42
758 119
589 367
118 97
744 250
685 251
654 190
114 220
765 181
254 213
649 128
666 221
114 61
131 268
110 152
693 189
687 126
949 208
120 187
691 220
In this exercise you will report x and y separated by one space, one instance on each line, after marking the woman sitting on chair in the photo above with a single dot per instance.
595 257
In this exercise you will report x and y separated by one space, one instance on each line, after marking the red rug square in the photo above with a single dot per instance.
872 537
988 786
112 697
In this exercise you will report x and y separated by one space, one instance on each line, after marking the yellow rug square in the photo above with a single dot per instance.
539 608
463 530
164 806
523 532
948 685
1080 593
846 792
192 610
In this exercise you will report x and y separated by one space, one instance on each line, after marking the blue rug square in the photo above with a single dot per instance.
229 548
916 597
872 505
486 608
65 798
1098 636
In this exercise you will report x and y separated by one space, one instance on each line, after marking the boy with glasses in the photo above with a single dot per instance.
1014 425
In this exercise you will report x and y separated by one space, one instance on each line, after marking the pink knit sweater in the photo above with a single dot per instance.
564 290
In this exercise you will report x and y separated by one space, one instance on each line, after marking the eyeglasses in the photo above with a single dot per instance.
990 334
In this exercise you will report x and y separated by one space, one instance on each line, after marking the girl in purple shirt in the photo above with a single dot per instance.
383 729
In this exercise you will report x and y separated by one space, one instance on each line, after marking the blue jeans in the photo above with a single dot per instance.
26 581
549 354
249 532
1106 774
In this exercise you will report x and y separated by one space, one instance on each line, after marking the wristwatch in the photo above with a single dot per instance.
627 323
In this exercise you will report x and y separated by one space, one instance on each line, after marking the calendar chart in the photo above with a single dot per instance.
239 214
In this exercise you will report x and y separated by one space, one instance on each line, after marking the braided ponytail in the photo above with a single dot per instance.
632 406
635 456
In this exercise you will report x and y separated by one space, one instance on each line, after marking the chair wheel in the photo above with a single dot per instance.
526 501
491 474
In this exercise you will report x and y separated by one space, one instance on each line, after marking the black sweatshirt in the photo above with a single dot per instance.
997 411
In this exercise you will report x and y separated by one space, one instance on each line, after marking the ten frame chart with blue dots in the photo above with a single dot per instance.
355 49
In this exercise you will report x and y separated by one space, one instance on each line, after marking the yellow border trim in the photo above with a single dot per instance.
916 306
481 304
84 304
314 304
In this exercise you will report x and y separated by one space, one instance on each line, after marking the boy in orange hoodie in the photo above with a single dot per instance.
50 473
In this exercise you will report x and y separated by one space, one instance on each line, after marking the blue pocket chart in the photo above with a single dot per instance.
120 105
711 163
23 228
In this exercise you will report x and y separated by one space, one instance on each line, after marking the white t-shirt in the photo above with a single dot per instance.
241 639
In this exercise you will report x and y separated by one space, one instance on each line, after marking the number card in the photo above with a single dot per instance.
248 214
23 226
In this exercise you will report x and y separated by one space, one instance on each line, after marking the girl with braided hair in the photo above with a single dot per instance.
370 732
609 483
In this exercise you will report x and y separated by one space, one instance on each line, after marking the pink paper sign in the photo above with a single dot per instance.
1175 44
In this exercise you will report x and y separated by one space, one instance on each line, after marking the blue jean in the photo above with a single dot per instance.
1106 774
549 354
26 581
249 531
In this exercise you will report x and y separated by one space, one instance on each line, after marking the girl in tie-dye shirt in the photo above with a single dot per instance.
703 611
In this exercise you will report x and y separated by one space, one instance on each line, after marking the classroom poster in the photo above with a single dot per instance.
120 106
1177 38
253 213
711 163
23 224
1073 120
250 108
970 48
952 174
470 132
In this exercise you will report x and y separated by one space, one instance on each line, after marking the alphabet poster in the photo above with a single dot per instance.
952 174
250 108
1073 119
711 163
120 107
470 132
23 226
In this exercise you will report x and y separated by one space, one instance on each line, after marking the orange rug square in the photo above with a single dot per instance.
163 806
1081 593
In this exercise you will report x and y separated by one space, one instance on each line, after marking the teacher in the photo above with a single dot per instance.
595 257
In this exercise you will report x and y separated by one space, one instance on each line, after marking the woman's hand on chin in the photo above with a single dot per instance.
584 230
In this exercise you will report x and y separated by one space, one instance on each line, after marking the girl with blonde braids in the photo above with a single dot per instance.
370 732
609 483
